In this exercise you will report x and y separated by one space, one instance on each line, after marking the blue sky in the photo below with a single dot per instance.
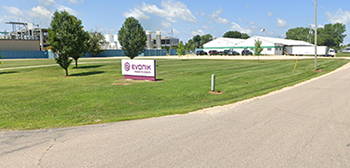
187 18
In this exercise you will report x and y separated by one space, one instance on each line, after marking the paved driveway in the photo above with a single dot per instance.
303 126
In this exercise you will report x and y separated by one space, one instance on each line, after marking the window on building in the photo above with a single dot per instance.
269 49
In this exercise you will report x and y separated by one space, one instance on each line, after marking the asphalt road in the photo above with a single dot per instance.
303 126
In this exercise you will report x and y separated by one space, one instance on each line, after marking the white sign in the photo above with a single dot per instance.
139 68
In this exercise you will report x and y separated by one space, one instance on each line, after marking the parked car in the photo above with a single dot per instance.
213 52
221 53
233 53
247 52
226 52
201 53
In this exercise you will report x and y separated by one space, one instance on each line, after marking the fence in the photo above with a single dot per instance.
106 53
24 54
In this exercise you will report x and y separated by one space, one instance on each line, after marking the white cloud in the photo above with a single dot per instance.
136 13
76 1
255 27
166 24
313 26
251 22
198 32
170 9
3 19
248 5
47 3
269 13
217 18
40 12
65 8
237 27
176 31
171 20
203 13
339 17
206 27
281 22
239 18
13 10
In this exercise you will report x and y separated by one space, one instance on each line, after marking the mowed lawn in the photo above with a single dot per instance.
36 98
343 55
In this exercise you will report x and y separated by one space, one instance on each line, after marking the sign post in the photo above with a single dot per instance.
139 69
213 83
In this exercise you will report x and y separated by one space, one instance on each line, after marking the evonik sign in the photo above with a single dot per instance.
139 69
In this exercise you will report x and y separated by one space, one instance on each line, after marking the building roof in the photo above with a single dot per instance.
286 42
266 41
228 41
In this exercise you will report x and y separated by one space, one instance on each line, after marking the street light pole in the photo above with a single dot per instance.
315 34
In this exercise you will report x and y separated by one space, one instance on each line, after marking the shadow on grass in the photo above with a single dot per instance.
88 67
88 73
11 72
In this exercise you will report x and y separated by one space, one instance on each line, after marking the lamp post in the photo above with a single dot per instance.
315 34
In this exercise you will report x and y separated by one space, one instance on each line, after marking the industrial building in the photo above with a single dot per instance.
24 37
111 42
271 46
159 42
4 35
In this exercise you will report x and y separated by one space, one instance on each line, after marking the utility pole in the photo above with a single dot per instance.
315 34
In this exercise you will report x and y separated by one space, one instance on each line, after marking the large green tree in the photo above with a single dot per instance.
299 33
332 35
205 38
236 34
198 41
96 40
132 37
67 39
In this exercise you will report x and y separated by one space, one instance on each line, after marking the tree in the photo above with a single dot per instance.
180 49
206 38
245 36
96 40
332 35
236 34
132 37
190 45
299 33
67 38
198 41
257 47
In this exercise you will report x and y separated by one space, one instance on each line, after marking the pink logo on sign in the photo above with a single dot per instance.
127 66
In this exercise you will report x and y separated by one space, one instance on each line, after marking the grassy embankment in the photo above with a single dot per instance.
43 98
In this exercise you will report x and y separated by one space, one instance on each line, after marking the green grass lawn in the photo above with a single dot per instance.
343 55
43 98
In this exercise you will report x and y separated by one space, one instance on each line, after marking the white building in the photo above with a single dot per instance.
112 42
271 46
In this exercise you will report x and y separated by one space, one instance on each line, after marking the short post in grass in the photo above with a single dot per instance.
213 82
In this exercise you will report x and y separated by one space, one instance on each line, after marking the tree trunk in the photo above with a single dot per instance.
66 72
76 63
